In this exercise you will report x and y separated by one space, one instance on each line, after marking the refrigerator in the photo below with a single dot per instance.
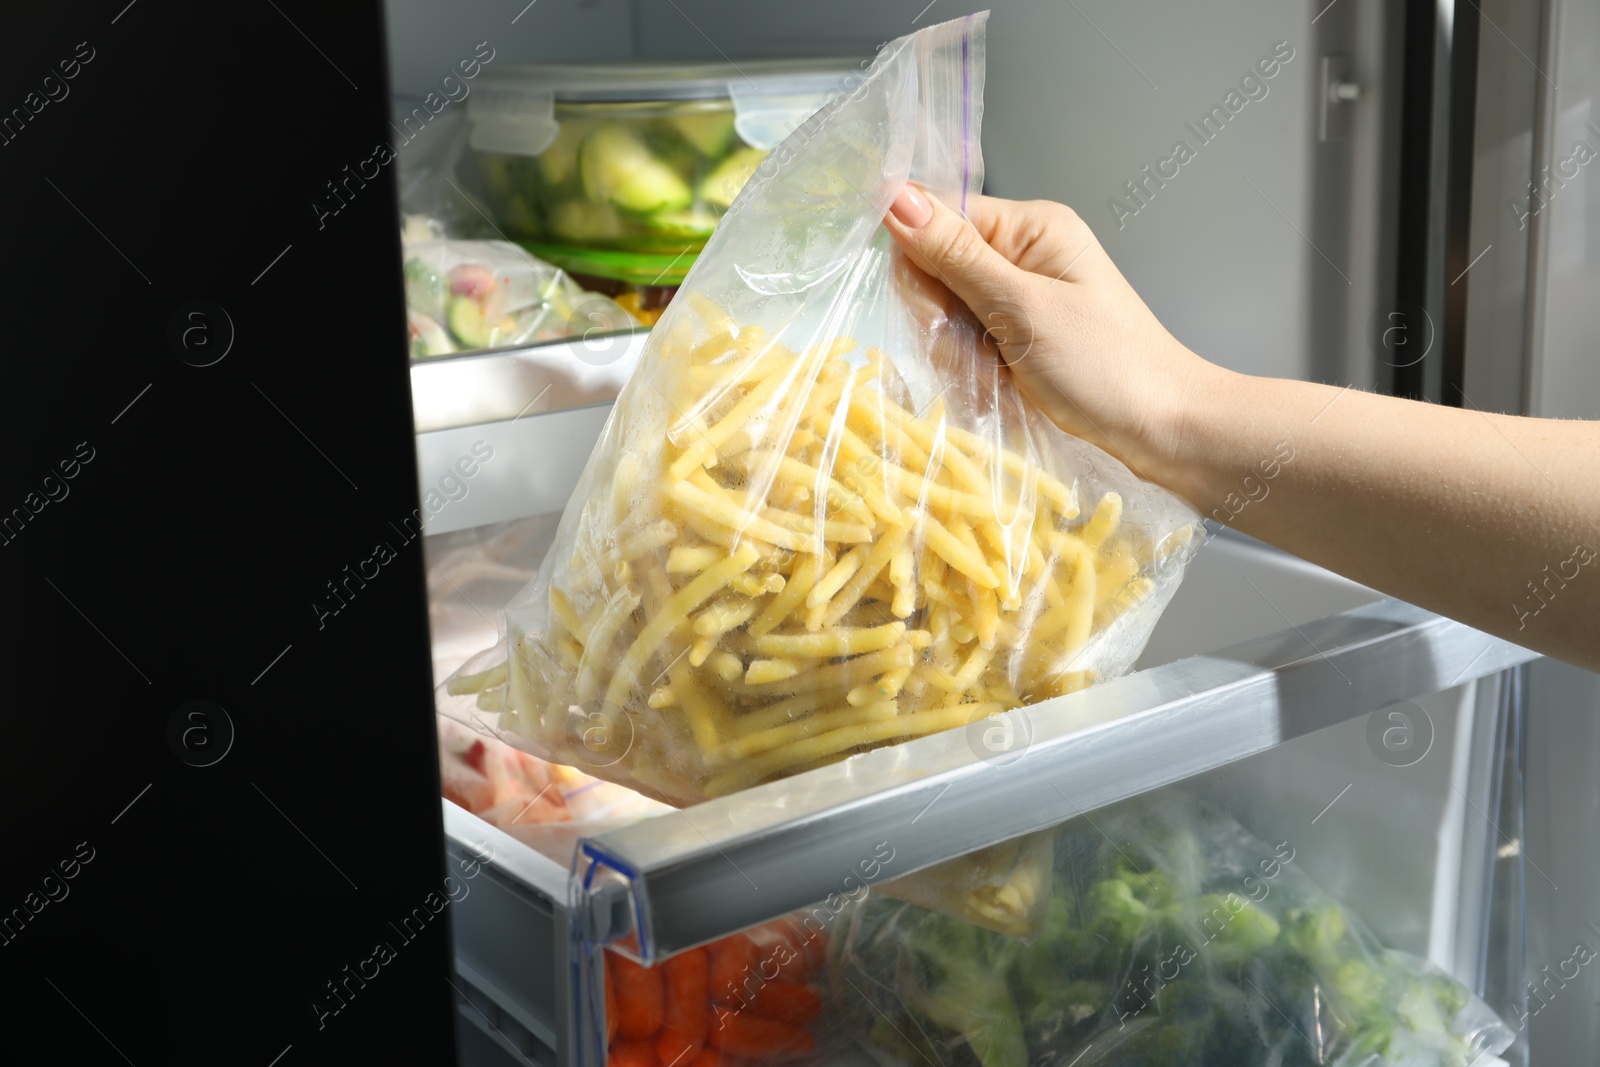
1393 211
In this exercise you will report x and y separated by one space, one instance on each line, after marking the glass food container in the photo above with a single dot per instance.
622 171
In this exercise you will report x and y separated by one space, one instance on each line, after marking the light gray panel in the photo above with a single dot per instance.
1563 821
428 37
738 29
535 466
1568 374
1497 275
1081 97
1237 588
1563 837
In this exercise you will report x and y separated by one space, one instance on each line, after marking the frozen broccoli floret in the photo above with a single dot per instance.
1451 994
1234 928
1060 915
1152 888
968 992
1361 988
1163 1044
1063 947
1065 1002
1235 1038
1366 1045
1420 1010
1116 912
1185 998
1315 933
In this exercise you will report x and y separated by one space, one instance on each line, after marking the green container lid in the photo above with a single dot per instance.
638 268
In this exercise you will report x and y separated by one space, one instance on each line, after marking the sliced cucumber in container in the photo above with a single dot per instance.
498 175
520 216
580 221
559 162
722 185
617 168
710 133
695 223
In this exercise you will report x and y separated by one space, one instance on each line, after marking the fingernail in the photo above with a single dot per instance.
911 208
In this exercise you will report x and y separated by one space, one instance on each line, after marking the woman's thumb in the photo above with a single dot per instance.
946 246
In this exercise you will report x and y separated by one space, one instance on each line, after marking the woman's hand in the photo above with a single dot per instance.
1491 519
1079 342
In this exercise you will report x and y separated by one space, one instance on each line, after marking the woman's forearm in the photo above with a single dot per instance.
1490 519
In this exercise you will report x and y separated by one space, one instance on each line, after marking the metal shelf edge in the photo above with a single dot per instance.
500 384
494 847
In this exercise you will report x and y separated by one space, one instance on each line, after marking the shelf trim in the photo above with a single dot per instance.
501 384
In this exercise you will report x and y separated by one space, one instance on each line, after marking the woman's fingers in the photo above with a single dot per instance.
1081 345
1039 236
946 246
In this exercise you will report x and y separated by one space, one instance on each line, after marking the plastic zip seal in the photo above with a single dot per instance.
510 119
765 113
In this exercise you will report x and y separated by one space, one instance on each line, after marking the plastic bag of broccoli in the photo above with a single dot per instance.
1173 937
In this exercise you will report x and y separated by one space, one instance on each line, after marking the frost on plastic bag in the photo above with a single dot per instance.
1005 887
1173 937
820 519
426 171
467 295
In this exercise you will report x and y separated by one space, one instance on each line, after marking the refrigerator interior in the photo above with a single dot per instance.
1267 251
1270 252
1408 844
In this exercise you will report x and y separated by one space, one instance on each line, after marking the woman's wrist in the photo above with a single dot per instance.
1186 439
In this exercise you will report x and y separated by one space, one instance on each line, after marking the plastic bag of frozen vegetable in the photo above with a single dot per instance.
467 295
820 519
756 997
1174 938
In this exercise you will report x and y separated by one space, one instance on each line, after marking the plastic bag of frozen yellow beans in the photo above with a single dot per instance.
820 519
